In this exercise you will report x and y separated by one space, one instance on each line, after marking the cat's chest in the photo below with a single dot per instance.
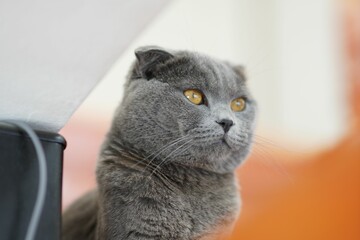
206 211
214 211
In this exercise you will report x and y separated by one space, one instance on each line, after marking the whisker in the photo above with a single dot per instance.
167 157
262 140
156 135
183 150
268 156
161 150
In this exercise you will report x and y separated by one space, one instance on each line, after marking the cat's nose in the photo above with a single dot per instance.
226 124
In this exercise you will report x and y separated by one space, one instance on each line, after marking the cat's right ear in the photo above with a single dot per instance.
148 58
240 71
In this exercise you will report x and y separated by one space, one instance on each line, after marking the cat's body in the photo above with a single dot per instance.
205 207
166 170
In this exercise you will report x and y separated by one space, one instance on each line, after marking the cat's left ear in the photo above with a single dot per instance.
240 71
148 58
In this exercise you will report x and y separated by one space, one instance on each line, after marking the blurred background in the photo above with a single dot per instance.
302 179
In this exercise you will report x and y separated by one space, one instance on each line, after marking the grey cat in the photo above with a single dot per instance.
166 170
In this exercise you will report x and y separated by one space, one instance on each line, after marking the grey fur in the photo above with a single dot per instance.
166 170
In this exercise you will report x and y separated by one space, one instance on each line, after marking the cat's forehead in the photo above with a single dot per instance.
198 71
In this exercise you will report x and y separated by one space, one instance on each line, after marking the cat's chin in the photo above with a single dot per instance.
221 155
223 145
218 149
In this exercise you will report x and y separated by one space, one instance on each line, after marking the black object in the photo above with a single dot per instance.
19 177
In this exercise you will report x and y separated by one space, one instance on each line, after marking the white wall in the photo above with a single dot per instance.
310 63
290 47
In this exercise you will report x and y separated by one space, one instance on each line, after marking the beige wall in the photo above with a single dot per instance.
290 47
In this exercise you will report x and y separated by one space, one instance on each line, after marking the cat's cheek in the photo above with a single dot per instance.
188 121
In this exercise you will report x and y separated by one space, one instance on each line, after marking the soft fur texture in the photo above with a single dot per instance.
166 170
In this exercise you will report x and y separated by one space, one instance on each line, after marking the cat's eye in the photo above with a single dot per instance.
194 96
238 104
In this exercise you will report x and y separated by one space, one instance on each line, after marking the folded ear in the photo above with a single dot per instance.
148 58
240 71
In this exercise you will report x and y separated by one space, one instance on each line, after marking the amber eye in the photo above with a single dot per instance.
194 96
238 104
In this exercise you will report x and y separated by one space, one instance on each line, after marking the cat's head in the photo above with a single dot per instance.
186 107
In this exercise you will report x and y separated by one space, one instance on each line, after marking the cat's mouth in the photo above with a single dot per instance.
220 141
224 141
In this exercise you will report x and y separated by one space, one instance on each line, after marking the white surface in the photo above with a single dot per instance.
52 53
291 50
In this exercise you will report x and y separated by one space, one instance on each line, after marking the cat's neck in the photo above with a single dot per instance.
186 174
173 170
